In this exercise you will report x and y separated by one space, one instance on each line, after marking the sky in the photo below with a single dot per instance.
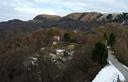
28 9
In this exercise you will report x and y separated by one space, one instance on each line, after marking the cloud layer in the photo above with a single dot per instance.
27 9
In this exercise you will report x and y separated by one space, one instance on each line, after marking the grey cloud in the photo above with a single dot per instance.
27 9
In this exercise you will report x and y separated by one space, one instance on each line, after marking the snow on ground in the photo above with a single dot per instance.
109 74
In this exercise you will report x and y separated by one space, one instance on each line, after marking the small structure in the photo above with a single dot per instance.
60 57
57 38
60 52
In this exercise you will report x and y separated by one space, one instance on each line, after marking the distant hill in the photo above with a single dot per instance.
82 21
85 20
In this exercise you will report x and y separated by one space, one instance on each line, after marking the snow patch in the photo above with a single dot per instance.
109 74
110 62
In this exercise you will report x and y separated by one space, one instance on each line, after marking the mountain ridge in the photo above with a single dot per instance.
85 16
81 21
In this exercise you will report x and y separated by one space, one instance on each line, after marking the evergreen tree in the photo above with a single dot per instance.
66 37
112 39
100 53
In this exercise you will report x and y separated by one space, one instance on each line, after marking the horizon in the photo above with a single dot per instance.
28 9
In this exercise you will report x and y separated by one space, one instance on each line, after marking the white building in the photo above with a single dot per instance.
60 52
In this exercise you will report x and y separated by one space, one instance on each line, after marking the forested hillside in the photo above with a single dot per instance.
51 48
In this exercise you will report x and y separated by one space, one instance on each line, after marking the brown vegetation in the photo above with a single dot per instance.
80 68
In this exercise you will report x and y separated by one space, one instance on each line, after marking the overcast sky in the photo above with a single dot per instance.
27 9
